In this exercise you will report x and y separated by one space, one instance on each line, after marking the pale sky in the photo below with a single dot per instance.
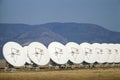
105 13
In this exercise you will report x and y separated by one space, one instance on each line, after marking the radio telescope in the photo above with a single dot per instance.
117 52
38 53
57 52
87 49
104 53
74 52
14 55
97 50
113 53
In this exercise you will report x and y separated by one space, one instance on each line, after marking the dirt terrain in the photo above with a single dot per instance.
77 74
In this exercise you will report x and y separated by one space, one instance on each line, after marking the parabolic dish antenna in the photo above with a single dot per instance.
25 49
113 53
97 50
105 51
74 52
14 55
87 49
57 52
38 53
117 51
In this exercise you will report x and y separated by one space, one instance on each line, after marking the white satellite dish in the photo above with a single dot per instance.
74 52
97 50
13 53
38 53
25 49
87 49
117 51
57 52
105 51
113 53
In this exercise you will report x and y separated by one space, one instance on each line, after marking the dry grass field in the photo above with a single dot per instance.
79 74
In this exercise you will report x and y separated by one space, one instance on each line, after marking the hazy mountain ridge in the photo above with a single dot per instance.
84 32
62 32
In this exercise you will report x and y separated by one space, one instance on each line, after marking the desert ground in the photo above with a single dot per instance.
77 74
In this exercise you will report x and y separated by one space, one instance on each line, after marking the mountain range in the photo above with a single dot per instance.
61 32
